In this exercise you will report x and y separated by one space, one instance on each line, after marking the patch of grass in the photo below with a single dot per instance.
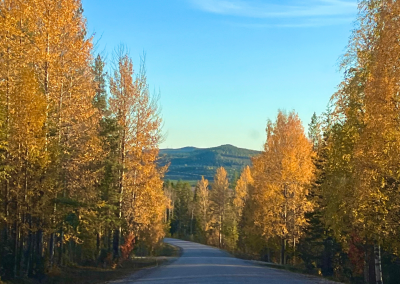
285 267
90 275
296 269
300 268
168 250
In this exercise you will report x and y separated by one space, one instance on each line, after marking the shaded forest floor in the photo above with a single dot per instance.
95 275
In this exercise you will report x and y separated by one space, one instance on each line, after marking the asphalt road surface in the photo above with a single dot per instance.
204 264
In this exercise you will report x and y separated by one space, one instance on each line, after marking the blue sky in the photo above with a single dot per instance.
224 67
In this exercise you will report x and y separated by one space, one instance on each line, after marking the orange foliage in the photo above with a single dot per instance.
128 246
283 174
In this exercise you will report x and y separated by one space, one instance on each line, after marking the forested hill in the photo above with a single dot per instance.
190 163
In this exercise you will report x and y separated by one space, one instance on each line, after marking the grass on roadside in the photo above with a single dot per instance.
296 269
168 251
95 275
300 269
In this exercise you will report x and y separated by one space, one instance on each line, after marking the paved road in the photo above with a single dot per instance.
204 264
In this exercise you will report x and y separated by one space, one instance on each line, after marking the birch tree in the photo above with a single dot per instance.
141 199
202 199
282 177
219 199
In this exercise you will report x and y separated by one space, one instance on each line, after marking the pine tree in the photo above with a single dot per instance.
181 225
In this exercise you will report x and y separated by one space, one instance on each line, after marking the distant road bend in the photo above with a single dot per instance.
205 264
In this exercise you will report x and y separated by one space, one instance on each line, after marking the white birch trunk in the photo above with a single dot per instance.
378 266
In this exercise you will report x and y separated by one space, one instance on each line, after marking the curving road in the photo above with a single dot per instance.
204 264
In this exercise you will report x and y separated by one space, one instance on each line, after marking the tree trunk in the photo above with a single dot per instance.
366 265
7 226
191 224
6 231
39 243
378 267
61 250
109 241
294 251
51 248
219 232
172 211
21 250
116 242
70 251
31 250
283 247
98 244
24 238
52 241
117 232
16 233
283 252
28 254
39 261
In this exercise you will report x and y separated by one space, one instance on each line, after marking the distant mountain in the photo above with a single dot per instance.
190 163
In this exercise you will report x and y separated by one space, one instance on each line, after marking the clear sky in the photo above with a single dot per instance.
224 67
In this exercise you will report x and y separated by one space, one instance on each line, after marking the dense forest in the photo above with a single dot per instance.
79 182
328 201
190 163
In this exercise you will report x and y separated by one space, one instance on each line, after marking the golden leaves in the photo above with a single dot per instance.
282 175
242 190
202 204
140 181
363 147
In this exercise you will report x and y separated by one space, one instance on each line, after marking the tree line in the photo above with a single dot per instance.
264 208
329 202
79 182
